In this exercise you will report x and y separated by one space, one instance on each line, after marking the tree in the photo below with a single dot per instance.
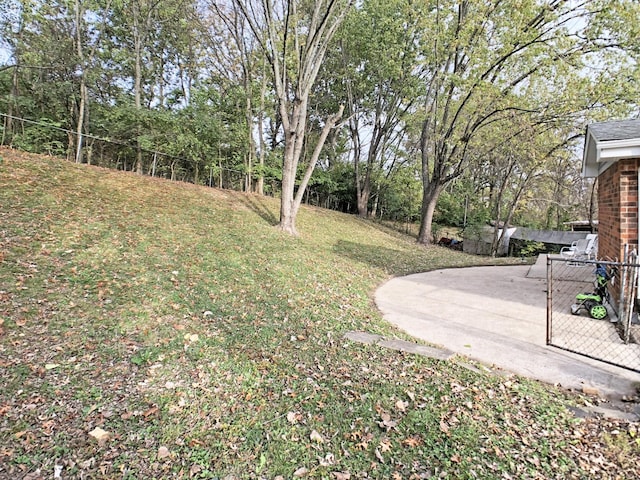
86 54
11 27
479 60
141 33
235 57
294 37
374 63
140 18
42 84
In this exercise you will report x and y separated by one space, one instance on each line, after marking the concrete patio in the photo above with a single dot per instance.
497 316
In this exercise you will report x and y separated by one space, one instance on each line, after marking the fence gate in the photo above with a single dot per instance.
591 309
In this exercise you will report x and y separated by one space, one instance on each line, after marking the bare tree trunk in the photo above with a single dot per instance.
12 108
83 61
376 200
294 140
431 193
248 183
363 199
263 93
83 84
90 152
140 32
289 220
138 102
304 39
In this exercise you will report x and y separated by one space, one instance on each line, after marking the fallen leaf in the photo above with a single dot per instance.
21 322
412 442
293 417
163 452
379 456
51 366
535 461
444 428
316 437
401 405
37 475
341 475
587 390
385 445
100 435
328 460
151 411
386 421
364 445
87 463
301 472
457 388
47 426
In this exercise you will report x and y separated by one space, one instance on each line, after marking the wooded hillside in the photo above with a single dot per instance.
454 112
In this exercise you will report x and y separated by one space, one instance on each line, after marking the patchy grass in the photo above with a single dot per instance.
151 329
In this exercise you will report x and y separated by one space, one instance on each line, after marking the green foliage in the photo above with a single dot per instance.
506 72
491 78
39 138
334 187
400 195
461 205
531 248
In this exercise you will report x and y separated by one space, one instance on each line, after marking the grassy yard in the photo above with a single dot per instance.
158 330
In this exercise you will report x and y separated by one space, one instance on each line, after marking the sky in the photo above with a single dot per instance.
4 56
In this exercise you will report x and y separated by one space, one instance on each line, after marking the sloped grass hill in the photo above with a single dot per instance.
151 329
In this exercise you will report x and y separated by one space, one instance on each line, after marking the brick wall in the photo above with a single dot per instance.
618 209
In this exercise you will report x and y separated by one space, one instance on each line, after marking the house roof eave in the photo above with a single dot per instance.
601 154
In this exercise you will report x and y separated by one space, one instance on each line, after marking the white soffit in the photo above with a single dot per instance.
608 142
617 150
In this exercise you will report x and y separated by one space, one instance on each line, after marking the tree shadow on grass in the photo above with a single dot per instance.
372 255
259 207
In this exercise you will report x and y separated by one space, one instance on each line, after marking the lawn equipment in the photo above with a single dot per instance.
593 303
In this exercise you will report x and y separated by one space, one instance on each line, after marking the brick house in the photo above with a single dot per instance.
612 154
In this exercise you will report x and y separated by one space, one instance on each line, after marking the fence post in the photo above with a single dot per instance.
622 315
153 168
629 297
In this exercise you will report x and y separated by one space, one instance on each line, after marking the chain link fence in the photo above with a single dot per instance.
592 309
